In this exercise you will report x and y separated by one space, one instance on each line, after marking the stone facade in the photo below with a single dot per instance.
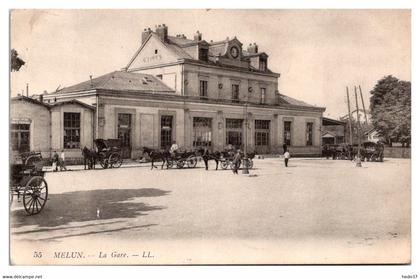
46 122
196 93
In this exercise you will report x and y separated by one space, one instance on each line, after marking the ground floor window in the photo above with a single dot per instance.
287 136
166 131
262 136
234 132
20 137
201 131
309 133
124 129
71 130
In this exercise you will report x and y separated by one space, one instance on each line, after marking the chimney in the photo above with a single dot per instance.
198 36
145 34
252 48
162 32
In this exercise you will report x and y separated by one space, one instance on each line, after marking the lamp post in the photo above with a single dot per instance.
245 159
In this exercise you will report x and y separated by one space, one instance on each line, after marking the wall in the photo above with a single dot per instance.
57 128
146 123
216 76
39 118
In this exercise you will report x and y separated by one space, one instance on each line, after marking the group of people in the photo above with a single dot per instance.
59 161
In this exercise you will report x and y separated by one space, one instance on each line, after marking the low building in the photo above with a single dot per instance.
41 127
194 92
333 131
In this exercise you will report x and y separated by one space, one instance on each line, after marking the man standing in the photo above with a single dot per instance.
236 161
55 161
62 161
173 148
205 156
286 158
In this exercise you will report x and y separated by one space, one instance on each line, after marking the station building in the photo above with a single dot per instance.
191 91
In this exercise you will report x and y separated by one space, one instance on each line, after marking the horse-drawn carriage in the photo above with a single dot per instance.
181 159
27 181
226 160
369 151
109 153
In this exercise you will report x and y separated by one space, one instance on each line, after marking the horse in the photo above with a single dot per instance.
156 155
207 155
89 158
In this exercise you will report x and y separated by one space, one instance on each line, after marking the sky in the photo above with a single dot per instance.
317 52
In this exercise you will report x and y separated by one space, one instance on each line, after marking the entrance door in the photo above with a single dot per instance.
262 136
234 132
166 131
124 133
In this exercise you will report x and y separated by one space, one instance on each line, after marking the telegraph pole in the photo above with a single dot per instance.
348 106
358 159
363 103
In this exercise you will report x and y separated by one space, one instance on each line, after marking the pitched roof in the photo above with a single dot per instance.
73 102
292 101
121 81
31 100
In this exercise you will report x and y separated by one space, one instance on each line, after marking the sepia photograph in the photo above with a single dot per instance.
210 137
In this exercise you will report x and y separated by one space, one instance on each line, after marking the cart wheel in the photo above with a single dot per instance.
115 160
103 163
170 164
224 164
180 164
35 195
191 162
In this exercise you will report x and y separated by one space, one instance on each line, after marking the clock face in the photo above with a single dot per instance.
234 52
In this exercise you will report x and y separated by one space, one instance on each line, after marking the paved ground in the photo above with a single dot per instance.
315 211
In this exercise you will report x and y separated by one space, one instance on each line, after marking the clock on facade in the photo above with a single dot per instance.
234 52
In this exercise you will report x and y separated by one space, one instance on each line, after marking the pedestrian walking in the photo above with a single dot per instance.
236 161
55 161
205 156
62 161
286 157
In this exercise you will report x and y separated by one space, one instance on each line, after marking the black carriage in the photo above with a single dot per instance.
338 151
226 160
182 159
109 153
371 151
27 182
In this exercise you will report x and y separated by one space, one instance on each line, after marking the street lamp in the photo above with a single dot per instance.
245 159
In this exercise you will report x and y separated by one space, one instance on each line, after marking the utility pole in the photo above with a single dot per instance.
363 103
348 106
358 159
27 90
245 160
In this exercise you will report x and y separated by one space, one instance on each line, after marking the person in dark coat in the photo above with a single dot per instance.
236 161
55 159
206 154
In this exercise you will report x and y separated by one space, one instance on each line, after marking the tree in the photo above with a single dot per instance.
390 106
15 61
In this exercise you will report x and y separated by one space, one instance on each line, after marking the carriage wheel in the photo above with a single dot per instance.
191 162
170 164
250 164
115 160
103 163
224 164
35 195
180 164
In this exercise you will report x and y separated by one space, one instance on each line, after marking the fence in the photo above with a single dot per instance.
397 152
